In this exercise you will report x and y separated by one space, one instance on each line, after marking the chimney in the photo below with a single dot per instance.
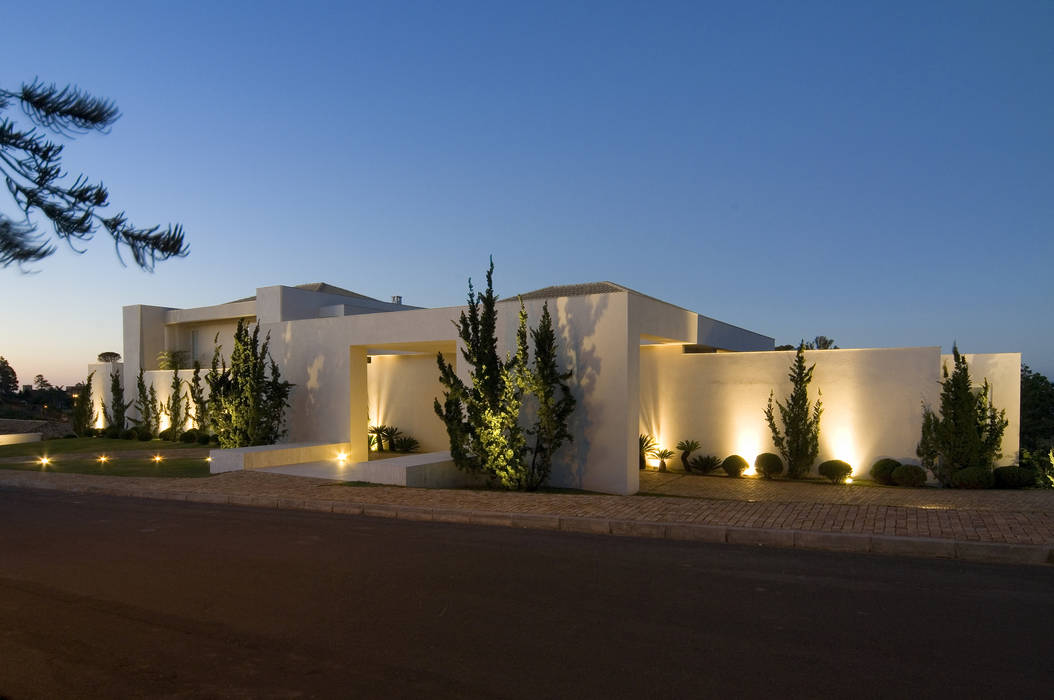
396 299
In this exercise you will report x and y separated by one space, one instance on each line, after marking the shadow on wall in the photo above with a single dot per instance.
575 328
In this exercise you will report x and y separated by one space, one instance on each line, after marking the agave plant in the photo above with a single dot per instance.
391 434
704 464
664 455
687 447
406 444
647 449
377 434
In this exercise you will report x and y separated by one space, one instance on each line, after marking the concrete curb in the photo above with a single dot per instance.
925 547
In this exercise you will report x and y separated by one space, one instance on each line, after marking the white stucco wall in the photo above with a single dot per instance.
872 400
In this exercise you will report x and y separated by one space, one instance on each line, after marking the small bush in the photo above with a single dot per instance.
704 464
768 464
836 470
69 436
973 478
129 434
882 471
734 465
111 431
214 439
144 434
167 434
204 438
909 475
189 436
1014 477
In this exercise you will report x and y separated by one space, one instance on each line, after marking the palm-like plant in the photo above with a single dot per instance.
391 434
663 455
647 449
687 447
377 433
406 443
705 464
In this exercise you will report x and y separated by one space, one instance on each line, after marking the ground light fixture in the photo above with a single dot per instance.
342 457
103 459
157 458
45 461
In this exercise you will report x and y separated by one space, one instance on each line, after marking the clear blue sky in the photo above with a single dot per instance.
881 173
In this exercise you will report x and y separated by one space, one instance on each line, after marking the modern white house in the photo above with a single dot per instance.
640 365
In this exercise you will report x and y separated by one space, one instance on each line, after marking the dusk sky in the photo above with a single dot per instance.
879 173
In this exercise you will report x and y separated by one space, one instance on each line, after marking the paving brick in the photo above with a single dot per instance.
1000 553
534 522
412 513
380 510
493 519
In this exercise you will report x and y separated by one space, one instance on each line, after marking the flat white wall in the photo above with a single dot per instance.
872 400
1003 372
401 390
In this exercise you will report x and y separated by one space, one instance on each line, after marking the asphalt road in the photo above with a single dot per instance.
108 597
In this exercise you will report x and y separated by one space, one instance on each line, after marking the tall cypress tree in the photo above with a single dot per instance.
969 430
83 413
799 441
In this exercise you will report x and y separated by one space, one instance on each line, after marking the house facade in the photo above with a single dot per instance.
640 365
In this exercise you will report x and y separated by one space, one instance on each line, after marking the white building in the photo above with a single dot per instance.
640 365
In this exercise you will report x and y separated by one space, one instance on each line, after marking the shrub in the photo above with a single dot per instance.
213 440
167 434
973 478
1014 477
768 464
882 470
704 464
204 438
663 455
143 434
69 436
734 465
189 436
111 431
127 433
836 470
909 475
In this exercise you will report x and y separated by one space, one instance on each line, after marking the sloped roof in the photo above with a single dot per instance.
321 288
576 290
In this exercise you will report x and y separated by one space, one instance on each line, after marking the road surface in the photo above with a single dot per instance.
107 597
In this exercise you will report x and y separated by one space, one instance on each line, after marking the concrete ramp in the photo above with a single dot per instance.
265 456
431 470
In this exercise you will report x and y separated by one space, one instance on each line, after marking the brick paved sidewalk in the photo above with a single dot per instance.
1026 518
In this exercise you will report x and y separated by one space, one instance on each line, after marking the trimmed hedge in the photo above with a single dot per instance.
768 464
734 465
1014 477
836 470
189 436
144 434
973 478
882 471
909 475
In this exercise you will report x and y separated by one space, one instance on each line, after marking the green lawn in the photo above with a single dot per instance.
93 445
171 466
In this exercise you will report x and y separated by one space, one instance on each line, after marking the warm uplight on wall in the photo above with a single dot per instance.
843 447
652 462
848 479
748 446
342 457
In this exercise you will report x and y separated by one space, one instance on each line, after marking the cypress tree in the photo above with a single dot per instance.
799 441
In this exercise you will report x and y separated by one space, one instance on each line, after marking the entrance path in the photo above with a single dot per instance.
1009 526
